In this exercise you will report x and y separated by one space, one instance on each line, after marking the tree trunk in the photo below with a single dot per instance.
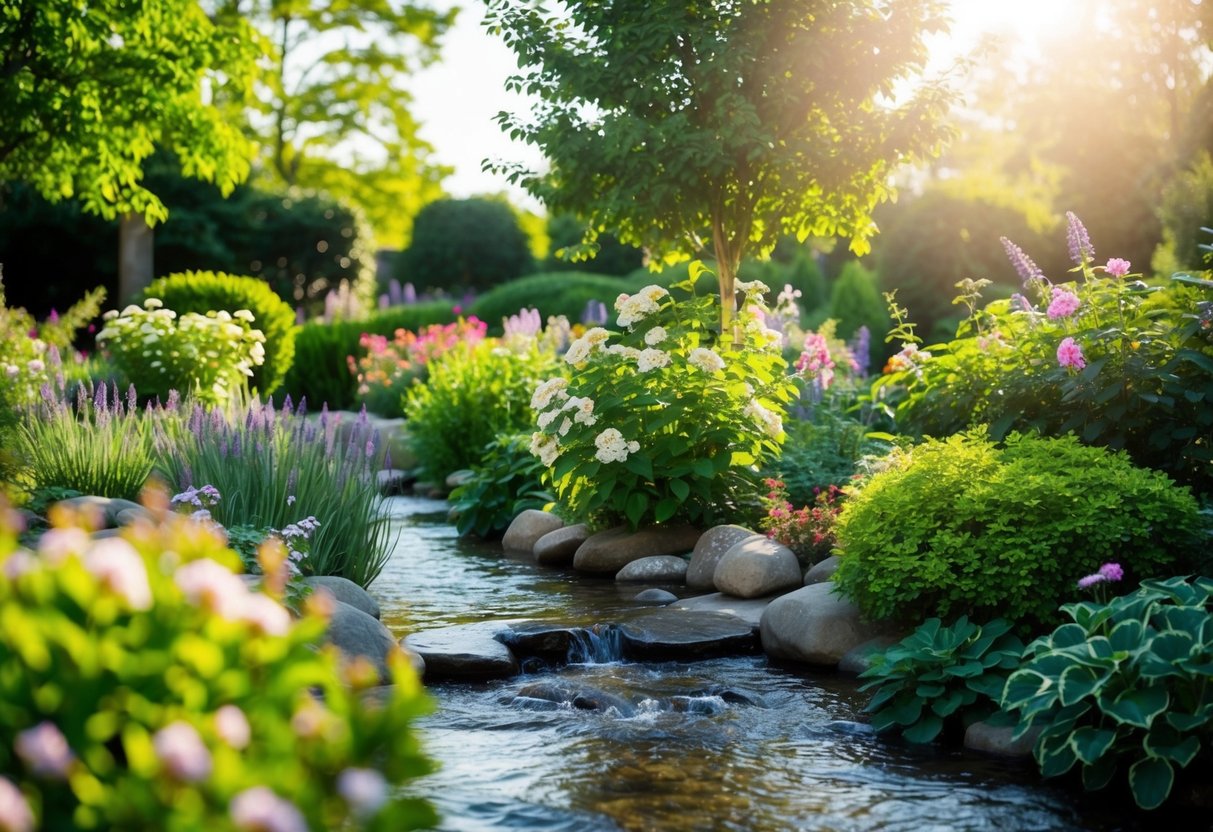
134 256
728 260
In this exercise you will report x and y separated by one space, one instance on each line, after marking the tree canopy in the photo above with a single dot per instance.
678 123
91 88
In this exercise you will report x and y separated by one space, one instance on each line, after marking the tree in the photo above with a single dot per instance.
465 244
731 121
334 107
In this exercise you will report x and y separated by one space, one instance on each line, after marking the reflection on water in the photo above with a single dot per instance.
727 744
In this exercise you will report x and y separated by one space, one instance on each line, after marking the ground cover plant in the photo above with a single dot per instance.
967 526
507 481
144 686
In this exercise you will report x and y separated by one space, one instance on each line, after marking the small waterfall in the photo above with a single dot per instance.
600 644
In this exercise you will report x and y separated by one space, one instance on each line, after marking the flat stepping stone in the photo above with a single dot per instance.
466 652
747 609
687 634
658 569
355 633
540 639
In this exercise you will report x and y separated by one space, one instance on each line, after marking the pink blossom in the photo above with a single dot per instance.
265 614
364 789
1069 354
1064 304
1117 267
232 726
815 361
1088 581
15 814
183 753
19 563
117 565
213 585
1111 572
44 750
260 810
56 545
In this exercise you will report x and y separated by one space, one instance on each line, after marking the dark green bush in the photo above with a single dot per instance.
613 258
554 293
321 372
465 244
507 483
821 453
964 526
202 292
855 301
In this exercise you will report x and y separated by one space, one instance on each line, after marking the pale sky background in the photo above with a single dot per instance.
456 99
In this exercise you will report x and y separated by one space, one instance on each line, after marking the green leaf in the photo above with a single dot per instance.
945 706
906 712
636 506
1126 636
1090 744
1022 686
681 489
640 465
1137 707
703 467
666 508
1078 682
925 730
1151 780
1098 775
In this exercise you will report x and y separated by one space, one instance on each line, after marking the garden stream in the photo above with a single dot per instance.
725 744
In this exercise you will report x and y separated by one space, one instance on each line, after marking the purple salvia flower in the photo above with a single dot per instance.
291 479
861 349
132 398
288 406
101 397
370 448
1081 250
1024 267
410 294
235 443
196 421
384 303
393 291
174 401
301 410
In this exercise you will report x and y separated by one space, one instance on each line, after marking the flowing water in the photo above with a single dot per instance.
727 744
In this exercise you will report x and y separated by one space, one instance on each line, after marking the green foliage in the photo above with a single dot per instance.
821 452
508 481
81 116
202 292
552 293
806 277
100 445
321 370
1123 685
209 356
965 526
273 468
475 393
172 699
610 257
1143 382
668 422
855 301
1186 207
940 676
648 132
464 245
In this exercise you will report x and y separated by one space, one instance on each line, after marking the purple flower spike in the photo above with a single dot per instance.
1081 250
1024 267
1111 572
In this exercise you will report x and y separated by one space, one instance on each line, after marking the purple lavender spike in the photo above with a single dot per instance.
1081 250
101 397
384 303
235 443
410 294
301 410
288 406
861 349
132 398
1024 267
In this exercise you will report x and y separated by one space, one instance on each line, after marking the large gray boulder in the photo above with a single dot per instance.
685 634
747 609
709 549
345 591
557 548
607 552
658 569
757 566
814 625
996 740
463 652
355 633
526 529
822 571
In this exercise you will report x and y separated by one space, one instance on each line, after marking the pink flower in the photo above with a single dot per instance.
213 585
364 789
1064 304
1069 354
232 726
1117 267
117 565
1111 572
56 545
265 614
15 814
183 753
260 810
44 750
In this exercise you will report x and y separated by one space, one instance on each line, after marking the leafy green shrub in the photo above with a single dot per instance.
321 371
100 445
203 292
855 301
1125 684
939 676
808 531
475 393
144 686
462 244
552 293
1186 206
508 481
274 467
669 421
820 453
964 526
612 258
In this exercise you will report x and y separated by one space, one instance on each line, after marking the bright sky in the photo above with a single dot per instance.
457 99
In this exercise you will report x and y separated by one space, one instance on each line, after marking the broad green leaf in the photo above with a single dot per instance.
1078 682
925 730
1151 780
1089 743
1137 707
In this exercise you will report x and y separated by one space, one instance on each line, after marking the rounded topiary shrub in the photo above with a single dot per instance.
202 292
966 526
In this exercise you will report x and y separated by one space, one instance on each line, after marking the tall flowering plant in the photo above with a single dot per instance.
664 418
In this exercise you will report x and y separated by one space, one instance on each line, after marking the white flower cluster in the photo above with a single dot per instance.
584 406
637 307
769 423
545 447
753 287
705 359
545 392
655 336
651 359
612 447
580 350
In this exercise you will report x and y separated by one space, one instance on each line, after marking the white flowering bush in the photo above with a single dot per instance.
665 418
144 685
210 355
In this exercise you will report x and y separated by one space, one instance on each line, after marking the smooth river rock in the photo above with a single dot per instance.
747 609
814 625
658 569
355 633
757 566
526 529
822 571
709 549
996 739
575 694
557 548
655 597
466 652
345 591
543 640
605 553
686 634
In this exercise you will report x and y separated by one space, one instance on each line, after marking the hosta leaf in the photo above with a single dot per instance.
1078 682
1171 745
930 691
925 730
882 697
967 670
1095 777
1089 743
1022 686
990 684
1137 707
1151 780
1188 722
1127 636
1067 635
945 706
1056 761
